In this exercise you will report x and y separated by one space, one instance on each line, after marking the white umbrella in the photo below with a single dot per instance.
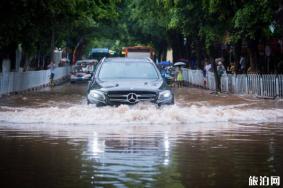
179 64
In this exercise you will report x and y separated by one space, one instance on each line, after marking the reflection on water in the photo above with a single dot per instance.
193 155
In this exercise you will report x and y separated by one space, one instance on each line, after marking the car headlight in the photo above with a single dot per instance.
163 95
97 95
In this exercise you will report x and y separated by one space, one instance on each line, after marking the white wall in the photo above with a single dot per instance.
20 81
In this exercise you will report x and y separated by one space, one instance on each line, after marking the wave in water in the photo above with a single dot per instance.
141 113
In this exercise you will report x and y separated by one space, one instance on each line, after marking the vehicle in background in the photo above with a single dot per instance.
64 62
138 52
168 73
128 81
83 70
99 53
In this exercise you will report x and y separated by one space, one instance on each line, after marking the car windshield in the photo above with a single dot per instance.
128 70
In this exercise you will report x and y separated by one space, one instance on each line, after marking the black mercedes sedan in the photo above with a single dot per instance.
128 81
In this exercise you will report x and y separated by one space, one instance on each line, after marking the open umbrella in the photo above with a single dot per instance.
165 63
179 64
183 60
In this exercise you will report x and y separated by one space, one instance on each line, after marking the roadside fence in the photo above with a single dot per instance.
266 85
20 81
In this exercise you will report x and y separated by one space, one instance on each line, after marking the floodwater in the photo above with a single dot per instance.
51 138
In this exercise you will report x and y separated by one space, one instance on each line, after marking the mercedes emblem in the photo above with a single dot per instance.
132 97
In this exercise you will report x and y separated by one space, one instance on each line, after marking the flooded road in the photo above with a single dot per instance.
51 138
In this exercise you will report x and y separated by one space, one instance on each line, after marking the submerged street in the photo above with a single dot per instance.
52 138
141 94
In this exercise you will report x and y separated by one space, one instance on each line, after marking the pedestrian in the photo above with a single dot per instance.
220 69
180 78
207 68
51 67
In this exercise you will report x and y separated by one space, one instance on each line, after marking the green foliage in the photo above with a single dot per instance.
149 21
252 18
117 23
38 23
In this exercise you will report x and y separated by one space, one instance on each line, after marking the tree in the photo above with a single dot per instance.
40 25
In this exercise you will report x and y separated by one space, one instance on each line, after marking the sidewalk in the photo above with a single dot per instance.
188 96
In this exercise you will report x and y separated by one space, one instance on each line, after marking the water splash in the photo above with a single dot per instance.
141 113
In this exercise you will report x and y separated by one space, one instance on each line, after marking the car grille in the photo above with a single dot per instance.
125 96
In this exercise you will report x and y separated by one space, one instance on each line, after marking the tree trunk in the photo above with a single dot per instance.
252 51
164 54
52 44
198 46
177 45
76 51
27 63
237 55
18 58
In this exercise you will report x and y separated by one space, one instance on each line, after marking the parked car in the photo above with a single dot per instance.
128 81
83 70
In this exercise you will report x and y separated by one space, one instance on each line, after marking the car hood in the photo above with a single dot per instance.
113 85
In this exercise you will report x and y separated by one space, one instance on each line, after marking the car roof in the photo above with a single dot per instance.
127 59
